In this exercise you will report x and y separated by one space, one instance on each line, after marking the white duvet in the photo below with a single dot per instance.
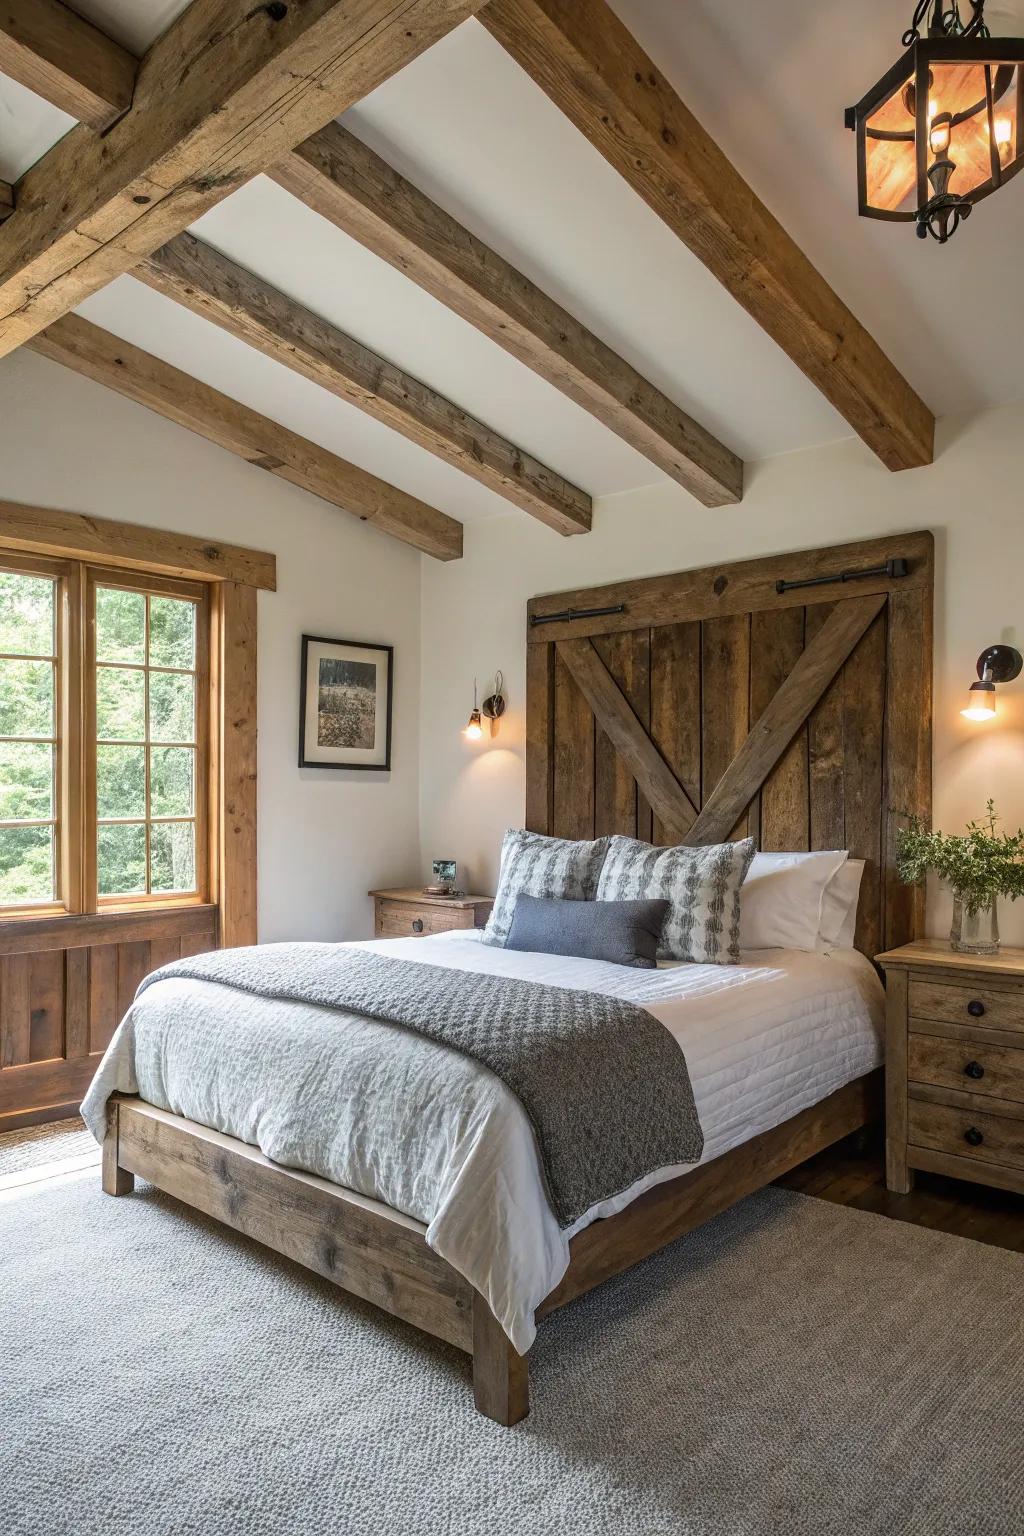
434 1134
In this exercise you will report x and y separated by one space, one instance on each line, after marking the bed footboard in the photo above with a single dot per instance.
360 1244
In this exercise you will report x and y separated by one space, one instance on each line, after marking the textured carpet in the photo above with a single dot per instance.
37 1145
793 1368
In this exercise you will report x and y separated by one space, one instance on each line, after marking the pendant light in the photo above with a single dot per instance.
944 127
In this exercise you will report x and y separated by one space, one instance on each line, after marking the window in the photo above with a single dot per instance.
104 762
29 743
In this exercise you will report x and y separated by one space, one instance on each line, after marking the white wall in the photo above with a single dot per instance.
325 836
474 614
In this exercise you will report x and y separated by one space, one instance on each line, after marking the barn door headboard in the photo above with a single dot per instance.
770 698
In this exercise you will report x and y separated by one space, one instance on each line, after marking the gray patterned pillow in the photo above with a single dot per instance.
532 865
701 885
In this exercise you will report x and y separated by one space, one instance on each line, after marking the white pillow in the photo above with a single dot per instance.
839 906
782 898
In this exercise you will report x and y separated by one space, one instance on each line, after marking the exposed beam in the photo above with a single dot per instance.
138 376
226 91
241 303
64 58
345 181
6 200
582 56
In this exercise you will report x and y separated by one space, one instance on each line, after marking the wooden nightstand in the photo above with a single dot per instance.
954 1066
408 914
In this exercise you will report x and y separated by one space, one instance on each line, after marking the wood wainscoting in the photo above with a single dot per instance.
65 986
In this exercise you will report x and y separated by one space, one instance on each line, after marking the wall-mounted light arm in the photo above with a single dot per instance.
999 664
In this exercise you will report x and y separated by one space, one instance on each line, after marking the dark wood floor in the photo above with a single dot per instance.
852 1173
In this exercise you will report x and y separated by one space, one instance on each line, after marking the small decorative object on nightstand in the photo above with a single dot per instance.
954 1066
408 913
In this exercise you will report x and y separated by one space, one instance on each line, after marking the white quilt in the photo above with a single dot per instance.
438 1136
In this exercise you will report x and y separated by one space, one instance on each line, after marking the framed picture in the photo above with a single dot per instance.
345 704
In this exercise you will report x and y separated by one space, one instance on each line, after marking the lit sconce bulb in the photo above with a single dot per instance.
981 702
474 730
1004 138
939 133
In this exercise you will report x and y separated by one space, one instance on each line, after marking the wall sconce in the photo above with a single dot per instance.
492 708
999 664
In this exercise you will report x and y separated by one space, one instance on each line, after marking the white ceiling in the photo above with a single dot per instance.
465 124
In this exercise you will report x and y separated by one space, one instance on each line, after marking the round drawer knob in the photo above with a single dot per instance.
976 1008
974 1069
973 1137
417 925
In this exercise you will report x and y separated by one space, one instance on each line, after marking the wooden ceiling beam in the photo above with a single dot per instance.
6 200
227 90
56 53
342 179
148 380
239 302
593 69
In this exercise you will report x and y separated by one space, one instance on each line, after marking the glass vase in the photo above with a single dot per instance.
975 930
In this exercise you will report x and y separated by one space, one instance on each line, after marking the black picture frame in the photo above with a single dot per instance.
306 760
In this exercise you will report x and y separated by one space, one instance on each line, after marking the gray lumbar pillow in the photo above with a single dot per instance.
532 865
624 932
701 885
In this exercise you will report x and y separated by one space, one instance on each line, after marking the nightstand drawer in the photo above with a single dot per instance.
966 1005
984 1137
404 920
967 1066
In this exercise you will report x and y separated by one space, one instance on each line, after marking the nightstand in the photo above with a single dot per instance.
405 914
954 1065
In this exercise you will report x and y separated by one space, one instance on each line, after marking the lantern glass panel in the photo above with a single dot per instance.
890 160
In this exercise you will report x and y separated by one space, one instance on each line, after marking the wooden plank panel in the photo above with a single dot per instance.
241 303
594 70
108 360
103 1015
42 531
614 785
675 709
6 200
572 758
46 1001
39 1084
776 642
76 1002
788 710
15 1011
725 710
540 696
62 57
198 943
226 90
908 727
345 181
614 716
163 951
742 586
863 718
132 965
102 928
825 744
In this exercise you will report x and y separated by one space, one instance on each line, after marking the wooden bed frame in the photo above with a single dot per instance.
685 708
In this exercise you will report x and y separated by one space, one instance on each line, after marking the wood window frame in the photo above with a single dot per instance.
43 541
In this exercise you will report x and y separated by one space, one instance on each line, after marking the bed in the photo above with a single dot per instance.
435 1210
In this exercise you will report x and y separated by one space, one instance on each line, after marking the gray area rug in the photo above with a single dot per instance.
794 1367
37 1145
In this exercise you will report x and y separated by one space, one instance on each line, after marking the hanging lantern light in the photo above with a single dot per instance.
945 126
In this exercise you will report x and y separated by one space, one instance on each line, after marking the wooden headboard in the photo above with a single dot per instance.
767 698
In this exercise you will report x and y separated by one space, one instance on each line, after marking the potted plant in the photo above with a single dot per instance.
979 866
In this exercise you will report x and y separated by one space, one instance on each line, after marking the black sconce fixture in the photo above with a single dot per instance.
945 126
999 664
492 709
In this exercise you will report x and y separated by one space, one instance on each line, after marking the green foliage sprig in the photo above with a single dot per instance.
978 865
